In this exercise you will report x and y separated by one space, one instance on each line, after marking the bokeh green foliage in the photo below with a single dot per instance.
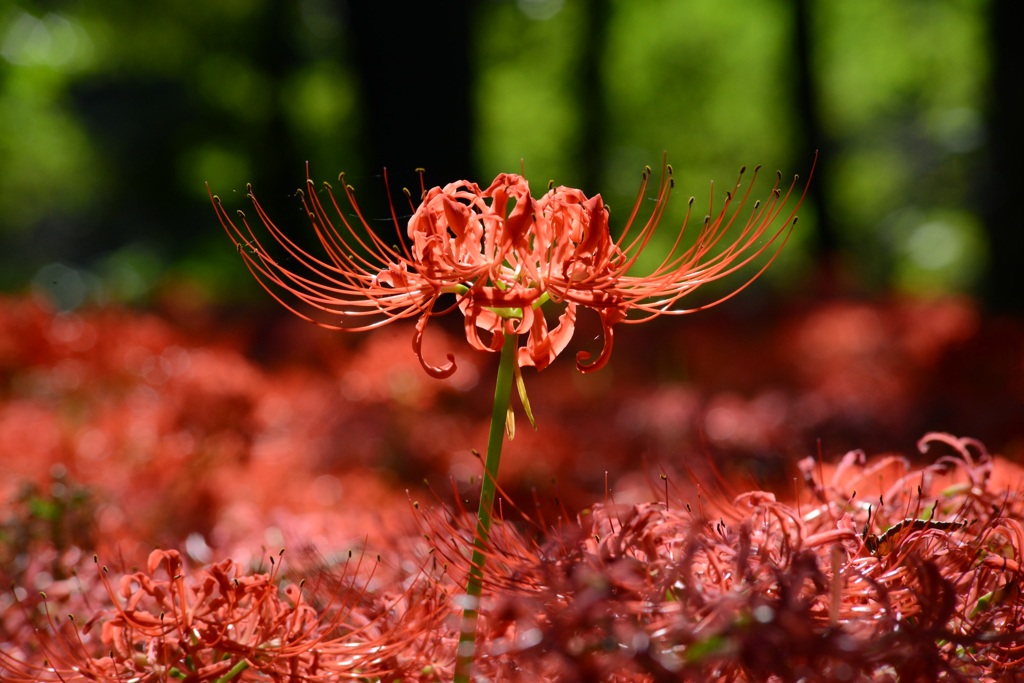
904 87
114 115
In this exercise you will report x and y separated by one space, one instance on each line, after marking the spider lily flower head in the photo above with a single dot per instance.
505 258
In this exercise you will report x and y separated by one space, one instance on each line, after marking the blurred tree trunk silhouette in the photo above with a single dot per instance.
143 122
276 158
811 139
416 81
1005 284
592 105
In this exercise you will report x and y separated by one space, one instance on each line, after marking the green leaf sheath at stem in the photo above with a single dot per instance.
488 491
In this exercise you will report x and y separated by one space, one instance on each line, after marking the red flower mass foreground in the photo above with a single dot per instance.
705 587
222 623
503 254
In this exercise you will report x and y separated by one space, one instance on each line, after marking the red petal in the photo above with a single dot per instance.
457 215
435 371
543 346
606 351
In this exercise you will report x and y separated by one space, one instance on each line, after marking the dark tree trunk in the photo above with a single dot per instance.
592 105
813 139
1005 284
277 161
413 64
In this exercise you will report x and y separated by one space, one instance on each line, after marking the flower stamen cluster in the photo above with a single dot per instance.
503 255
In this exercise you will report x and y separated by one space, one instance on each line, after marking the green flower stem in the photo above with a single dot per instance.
502 312
238 668
484 515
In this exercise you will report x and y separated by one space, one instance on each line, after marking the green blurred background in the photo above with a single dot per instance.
114 115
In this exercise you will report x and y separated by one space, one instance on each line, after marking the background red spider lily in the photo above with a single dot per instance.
124 431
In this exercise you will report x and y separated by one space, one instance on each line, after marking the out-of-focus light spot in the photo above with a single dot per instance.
176 360
540 10
935 245
65 287
53 41
226 170
722 423
355 386
403 385
110 520
42 580
274 537
326 490
465 378
941 250
959 129
92 444
197 548
128 274
71 332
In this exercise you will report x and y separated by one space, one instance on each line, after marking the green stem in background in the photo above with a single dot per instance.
235 670
484 515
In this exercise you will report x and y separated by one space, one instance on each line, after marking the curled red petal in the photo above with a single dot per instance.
519 326
606 351
476 318
435 371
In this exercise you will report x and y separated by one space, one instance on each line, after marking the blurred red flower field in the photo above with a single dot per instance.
185 449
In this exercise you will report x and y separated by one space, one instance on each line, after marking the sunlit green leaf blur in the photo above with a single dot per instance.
115 115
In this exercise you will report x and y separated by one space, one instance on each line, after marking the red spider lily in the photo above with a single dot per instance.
222 622
503 254
753 588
